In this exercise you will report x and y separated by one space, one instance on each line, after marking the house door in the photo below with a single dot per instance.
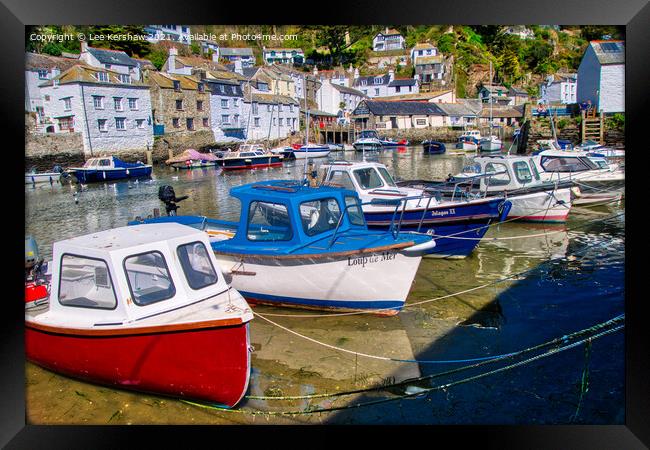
393 122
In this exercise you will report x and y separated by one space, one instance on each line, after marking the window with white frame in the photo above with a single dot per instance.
67 103
101 125
102 76
42 74
256 122
120 123
133 104
125 78
139 123
98 101
224 103
225 118
118 103
234 102
280 121
255 108
268 108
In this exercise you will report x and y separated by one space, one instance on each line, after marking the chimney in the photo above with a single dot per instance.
171 66
386 31
391 75
356 73
84 46
55 72
315 71
238 67
215 57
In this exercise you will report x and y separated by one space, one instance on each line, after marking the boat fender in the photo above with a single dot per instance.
504 209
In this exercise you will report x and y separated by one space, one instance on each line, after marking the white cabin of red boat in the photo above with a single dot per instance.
130 273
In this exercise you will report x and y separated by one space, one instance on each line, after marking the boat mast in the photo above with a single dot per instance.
248 125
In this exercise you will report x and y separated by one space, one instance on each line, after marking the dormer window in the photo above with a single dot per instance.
377 80
125 78
102 76
42 74
177 85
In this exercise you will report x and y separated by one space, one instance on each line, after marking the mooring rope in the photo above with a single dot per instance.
420 392
597 189
476 288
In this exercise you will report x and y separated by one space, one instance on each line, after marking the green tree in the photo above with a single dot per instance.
337 38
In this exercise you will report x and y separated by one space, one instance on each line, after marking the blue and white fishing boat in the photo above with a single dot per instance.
469 140
368 140
108 168
309 247
311 150
457 226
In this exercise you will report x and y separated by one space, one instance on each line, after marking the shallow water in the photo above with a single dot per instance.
574 280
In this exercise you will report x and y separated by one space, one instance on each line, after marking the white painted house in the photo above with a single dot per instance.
270 116
177 33
226 106
560 88
39 69
115 60
422 50
390 39
378 86
601 76
520 31
331 96
283 55
110 110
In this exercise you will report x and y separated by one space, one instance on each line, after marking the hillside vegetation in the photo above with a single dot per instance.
515 61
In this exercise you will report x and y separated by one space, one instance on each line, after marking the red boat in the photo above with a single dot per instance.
144 308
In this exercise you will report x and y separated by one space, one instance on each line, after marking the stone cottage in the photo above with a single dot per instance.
179 103
110 109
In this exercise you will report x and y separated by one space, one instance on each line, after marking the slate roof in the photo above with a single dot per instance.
494 89
403 82
391 32
609 52
384 108
456 109
318 113
423 45
242 51
113 57
419 96
508 111
348 90
83 73
249 72
35 61
370 80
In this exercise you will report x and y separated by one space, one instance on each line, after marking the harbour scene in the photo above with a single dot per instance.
301 242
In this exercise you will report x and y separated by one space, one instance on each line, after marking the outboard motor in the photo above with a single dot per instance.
33 258
167 195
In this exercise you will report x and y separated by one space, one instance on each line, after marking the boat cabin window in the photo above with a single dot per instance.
341 178
368 178
196 265
90 162
602 164
566 164
522 172
533 169
104 162
355 213
149 279
85 282
247 154
268 222
319 216
501 179
386 176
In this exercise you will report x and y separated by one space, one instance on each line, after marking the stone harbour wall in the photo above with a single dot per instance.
45 150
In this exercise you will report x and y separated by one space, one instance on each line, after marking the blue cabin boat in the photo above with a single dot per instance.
109 168
310 247
433 147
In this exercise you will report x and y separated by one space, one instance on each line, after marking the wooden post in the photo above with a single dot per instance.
150 157
602 129
170 152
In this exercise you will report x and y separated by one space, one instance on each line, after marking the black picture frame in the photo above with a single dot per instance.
634 14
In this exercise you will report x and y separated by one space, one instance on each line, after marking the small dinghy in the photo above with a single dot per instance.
143 308
433 147
192 159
